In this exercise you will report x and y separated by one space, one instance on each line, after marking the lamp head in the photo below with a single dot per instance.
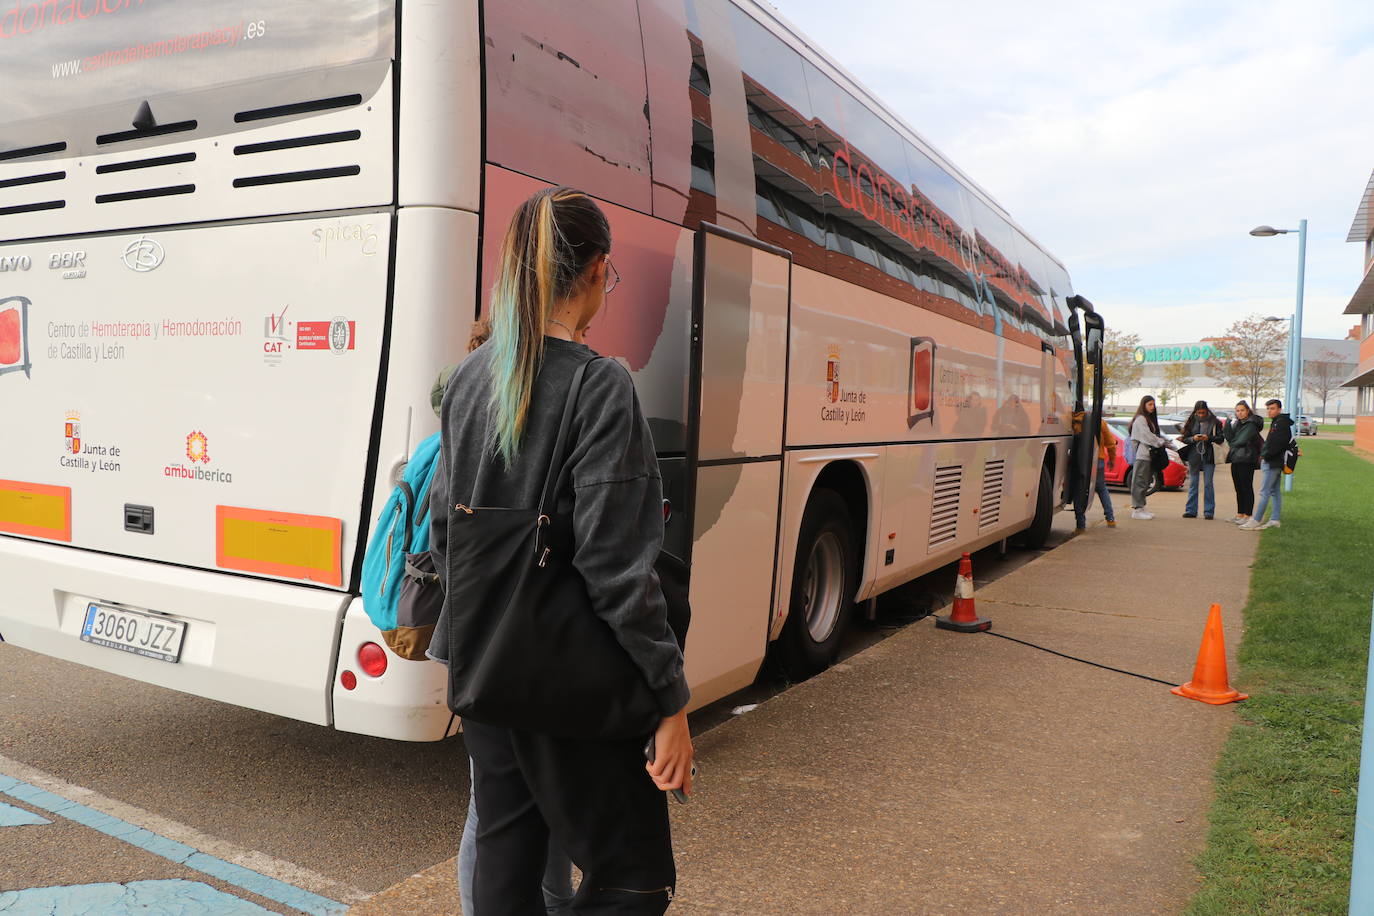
1266 231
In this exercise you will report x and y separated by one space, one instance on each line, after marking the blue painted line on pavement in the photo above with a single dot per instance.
185 898
180 853
10 816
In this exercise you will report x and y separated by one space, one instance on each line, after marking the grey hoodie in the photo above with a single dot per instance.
616 495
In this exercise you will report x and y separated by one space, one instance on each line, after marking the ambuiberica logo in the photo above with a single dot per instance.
197 468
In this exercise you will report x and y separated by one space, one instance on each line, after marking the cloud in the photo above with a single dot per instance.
1140 142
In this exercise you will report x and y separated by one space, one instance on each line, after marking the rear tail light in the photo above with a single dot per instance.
349 680
372 659
667 511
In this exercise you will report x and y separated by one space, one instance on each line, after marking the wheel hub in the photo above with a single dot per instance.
823 585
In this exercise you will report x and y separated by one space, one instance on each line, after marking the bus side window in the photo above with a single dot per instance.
783 142
566 98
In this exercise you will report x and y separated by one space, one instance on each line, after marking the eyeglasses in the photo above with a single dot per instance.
612 276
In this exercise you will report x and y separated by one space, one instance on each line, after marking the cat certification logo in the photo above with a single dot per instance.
197 448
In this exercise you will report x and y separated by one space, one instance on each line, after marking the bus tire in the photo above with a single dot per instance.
824 581
1035 536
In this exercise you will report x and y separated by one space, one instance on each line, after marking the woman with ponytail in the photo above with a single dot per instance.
500 416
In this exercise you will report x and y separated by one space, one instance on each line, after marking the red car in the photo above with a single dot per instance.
1119 471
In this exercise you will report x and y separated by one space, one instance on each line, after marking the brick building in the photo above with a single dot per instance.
1362 304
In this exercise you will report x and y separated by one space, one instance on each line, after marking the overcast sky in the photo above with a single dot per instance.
1140 142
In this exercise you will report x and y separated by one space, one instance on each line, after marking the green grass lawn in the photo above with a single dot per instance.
1283 818
1335 428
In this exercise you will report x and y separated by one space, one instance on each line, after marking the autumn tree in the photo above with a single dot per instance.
1323 375
1176 381
1249 357
1120 371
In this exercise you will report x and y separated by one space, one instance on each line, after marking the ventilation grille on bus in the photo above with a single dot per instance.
944 507
36 188
272 170
994 480
312 156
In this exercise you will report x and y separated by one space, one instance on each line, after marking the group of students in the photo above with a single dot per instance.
1249 450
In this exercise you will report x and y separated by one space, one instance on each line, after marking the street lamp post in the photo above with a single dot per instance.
1294 392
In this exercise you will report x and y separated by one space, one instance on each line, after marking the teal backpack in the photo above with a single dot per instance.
401 590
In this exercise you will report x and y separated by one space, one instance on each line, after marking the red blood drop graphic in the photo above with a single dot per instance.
11 346
921 376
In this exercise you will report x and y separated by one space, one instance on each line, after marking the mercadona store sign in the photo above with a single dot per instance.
1183 353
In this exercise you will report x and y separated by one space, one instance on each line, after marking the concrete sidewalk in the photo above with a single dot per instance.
940 772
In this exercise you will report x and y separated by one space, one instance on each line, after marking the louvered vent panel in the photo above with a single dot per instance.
994 482
31 186
212 155
944 509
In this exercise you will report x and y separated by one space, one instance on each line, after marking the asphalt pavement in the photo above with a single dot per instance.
323 813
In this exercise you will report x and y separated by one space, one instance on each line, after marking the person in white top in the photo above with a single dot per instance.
1145 435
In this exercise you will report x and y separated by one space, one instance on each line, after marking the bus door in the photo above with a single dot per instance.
737 392
1088 346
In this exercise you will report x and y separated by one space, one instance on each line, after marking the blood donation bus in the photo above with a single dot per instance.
239 239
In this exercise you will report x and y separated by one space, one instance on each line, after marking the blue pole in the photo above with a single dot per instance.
1362 866
1295 379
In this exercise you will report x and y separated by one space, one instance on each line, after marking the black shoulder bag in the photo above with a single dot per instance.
528 652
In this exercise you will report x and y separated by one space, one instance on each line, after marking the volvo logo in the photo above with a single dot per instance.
143 254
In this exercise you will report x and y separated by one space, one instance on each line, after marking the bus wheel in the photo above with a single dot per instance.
823 585
1035 536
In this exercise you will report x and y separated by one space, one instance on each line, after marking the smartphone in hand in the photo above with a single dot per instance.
650 754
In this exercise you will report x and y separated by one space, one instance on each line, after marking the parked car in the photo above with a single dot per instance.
1307 426
1118 473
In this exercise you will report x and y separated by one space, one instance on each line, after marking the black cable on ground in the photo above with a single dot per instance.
1074 658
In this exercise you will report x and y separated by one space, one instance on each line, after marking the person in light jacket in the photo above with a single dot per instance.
1201 432
1244 436
1145 435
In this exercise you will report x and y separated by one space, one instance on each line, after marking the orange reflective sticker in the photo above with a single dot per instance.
36 509
279 544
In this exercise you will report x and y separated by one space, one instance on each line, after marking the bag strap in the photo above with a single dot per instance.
409 496
560 445
423 576
422 504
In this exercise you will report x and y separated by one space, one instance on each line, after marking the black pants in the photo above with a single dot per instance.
598 803
1243 476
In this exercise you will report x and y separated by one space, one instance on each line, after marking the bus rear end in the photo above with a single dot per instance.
220 313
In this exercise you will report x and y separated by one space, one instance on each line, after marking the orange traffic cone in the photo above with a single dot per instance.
1210 683
964 618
